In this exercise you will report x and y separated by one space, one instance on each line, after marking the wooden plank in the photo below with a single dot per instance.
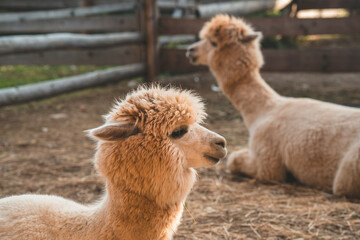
27 5
314 60
31 5
270 26
240 8
171 5
174 61
101 57
323 4
177 26
33 43
51 88
151 39
92 24
65 13
311 60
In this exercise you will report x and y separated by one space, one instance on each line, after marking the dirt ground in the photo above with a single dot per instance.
44 150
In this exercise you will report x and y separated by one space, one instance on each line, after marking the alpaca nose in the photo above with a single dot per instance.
220 141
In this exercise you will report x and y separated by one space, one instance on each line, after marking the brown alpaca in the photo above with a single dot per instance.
317 142
147 149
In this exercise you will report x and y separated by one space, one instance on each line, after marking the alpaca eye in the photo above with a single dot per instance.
178 133
214 44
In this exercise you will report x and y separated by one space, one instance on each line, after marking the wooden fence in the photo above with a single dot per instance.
114 32
110 33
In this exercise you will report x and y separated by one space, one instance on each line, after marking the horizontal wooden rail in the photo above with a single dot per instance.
65 13
310 60
26 5
240 7
95 56
94 24
270 26
33 43
51 88
322 4
170 5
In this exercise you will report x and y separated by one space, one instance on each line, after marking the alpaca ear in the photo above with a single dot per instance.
250 37
114 131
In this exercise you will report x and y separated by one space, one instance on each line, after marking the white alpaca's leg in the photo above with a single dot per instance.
270 167
240 162
347 178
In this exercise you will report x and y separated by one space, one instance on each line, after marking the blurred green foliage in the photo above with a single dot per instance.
11 76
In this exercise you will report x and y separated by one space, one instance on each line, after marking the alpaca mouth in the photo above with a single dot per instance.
211 158
192 58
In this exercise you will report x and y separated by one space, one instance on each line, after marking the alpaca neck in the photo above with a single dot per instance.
126 215
250 94
133 216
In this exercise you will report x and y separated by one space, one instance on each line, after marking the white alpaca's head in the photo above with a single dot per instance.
229 46
153 139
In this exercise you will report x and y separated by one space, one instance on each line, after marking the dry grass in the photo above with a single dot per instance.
43 150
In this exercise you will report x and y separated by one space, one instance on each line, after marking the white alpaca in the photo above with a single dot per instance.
317 142
147 150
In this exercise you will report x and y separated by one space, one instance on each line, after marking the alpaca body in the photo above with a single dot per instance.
307 138
147 151
52 218
317 142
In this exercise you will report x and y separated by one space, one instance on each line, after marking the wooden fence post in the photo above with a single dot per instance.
151 22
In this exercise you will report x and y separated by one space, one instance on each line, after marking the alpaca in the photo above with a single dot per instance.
316 142
147 151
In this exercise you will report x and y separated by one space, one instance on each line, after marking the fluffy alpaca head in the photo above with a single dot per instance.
151 142
227 44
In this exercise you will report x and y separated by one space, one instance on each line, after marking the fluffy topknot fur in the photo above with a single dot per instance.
225 29
157 110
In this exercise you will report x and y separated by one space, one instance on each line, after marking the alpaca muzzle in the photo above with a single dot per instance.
219 150
190 55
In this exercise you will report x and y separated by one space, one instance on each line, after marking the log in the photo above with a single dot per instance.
51 88
26 5
66 13
96 24
171 5
240 8
176 38
31 5
18 44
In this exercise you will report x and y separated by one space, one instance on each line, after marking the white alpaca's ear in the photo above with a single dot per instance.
114 131
251 37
